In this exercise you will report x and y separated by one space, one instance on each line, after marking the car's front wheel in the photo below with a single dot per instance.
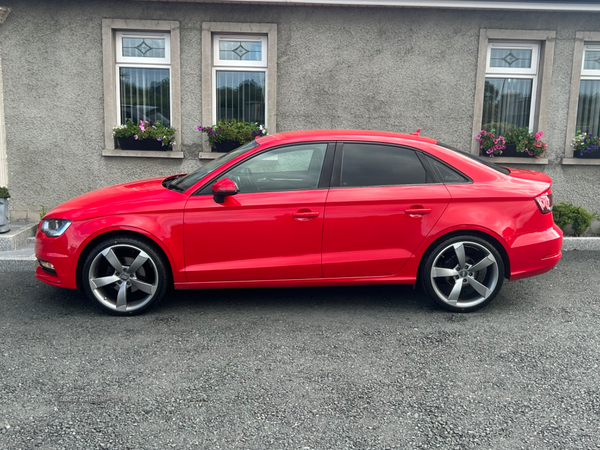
124 276
463 273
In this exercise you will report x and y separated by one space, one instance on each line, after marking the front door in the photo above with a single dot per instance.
271 230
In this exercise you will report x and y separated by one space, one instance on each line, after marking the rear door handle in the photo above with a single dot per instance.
305 214
417 211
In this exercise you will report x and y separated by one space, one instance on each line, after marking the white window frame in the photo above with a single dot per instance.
119 35
141 63
110 29
524 73
583 41
217 38
589 74
267 31
239 66
546 39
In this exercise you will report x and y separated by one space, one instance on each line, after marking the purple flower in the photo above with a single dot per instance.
200 128
159 139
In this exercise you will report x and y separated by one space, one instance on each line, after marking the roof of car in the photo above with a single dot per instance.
342 135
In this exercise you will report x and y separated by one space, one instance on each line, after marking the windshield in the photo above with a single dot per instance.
484 161
190 179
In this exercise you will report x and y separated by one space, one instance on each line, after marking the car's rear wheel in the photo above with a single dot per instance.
463 273
124 276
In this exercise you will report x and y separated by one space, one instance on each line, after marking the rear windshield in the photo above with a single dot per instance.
485 161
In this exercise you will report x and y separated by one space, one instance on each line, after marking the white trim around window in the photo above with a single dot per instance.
541 44
583 40
113 31
262 34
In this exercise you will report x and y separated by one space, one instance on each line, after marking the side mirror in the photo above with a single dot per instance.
224 188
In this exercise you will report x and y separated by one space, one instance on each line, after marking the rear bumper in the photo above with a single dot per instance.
535 253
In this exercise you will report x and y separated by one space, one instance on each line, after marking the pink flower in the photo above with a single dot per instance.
142 126
135 136
539 135
478 137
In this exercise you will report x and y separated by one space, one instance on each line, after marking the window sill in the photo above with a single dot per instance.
209 155
524 161
581 162
143 154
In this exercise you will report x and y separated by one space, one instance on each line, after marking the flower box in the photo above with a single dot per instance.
510 151
4 218
225 146
141 144
578 154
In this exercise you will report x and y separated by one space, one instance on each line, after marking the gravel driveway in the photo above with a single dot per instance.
320 368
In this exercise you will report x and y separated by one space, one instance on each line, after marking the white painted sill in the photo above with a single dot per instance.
581 162
143 154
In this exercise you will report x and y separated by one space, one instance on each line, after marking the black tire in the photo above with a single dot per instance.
124 276
455 286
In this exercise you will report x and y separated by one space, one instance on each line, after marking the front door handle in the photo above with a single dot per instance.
417 211
305 214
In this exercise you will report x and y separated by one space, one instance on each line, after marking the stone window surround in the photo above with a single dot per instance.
109 27
546 40
581 38
210 28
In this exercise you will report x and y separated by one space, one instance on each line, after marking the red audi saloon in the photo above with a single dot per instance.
309 208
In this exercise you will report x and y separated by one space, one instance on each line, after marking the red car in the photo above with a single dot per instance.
311 208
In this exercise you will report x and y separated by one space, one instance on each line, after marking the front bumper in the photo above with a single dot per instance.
61 255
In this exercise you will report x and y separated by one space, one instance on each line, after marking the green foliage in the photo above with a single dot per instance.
585 143
4 193
145 130
489 143
43 213
566 213
526 141
232 130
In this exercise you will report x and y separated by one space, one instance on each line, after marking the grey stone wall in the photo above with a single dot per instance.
391 69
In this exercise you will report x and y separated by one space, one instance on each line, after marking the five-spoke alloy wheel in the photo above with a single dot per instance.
124 276
463 273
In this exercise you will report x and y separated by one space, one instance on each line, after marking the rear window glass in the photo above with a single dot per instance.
380 165
485 161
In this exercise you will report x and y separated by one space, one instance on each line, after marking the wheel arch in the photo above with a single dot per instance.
89 246
467 232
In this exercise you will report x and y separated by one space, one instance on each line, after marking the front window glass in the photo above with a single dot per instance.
284 169
380 165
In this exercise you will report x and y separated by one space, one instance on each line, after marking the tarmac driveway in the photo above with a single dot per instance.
327 368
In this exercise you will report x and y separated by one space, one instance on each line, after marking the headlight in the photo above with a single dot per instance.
54 227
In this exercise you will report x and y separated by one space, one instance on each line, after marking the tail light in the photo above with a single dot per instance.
544 202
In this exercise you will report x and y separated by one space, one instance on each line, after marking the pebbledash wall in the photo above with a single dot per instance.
383 68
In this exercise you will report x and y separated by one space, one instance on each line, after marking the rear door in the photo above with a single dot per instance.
383 202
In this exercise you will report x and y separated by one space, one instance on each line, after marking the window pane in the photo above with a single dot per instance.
592 60
283 169
588 111
240 50
145 95
506 102
144 47
241 96
380 165
513 58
